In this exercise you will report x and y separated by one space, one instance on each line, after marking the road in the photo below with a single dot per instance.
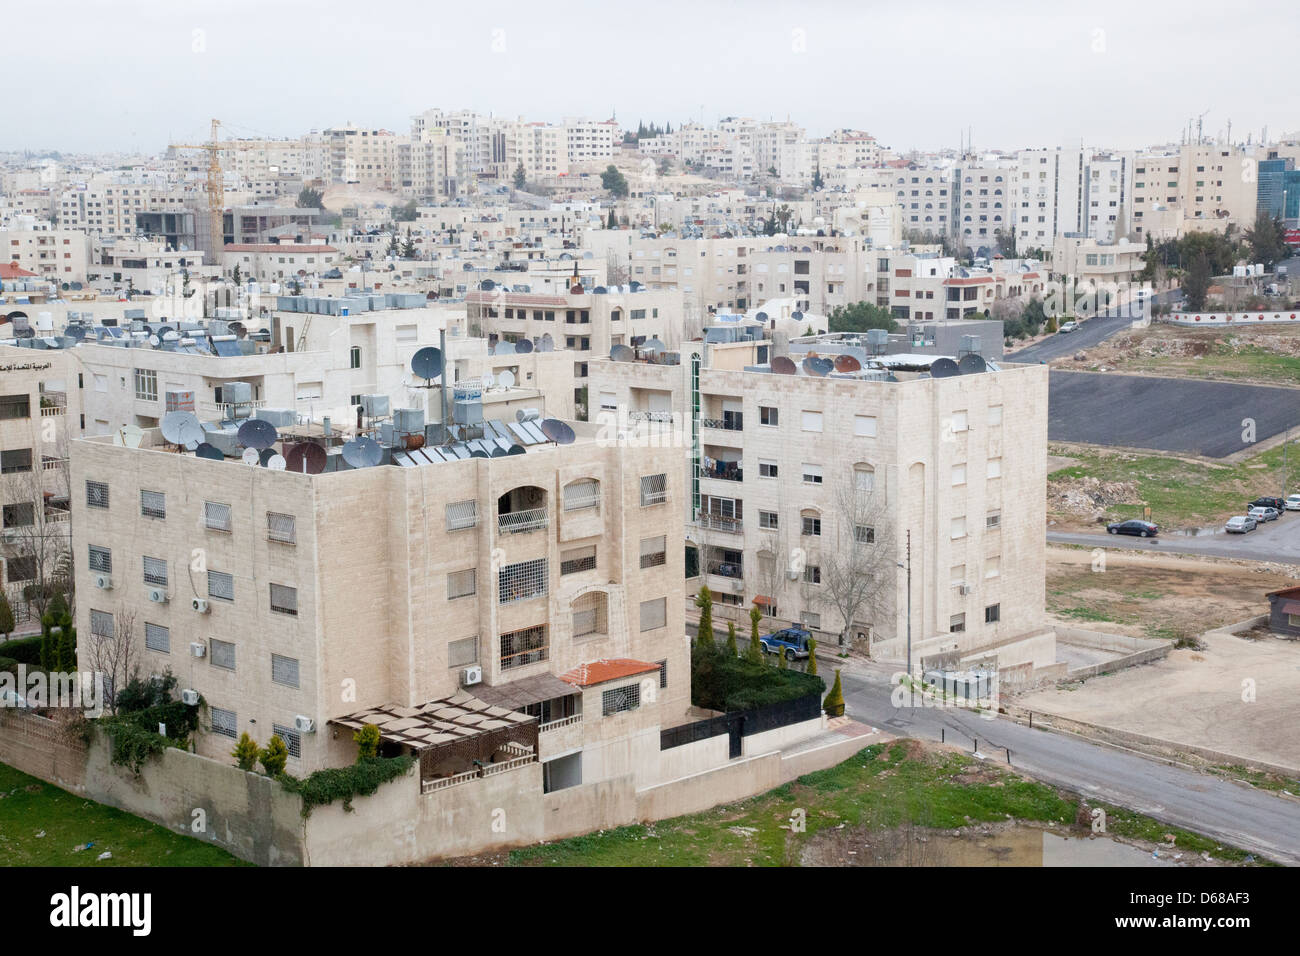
1090 332
1253 820
1275 541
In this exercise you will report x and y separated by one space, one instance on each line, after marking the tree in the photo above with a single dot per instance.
783 216
780 657
1266 240
859 317
1196 283
274 756
665 164
611 222
236 276
6 616
858 569
38 536
67 646
834 702
309 198
367 741
520 176
817 181
246 752
755 645
614 181
408 247
812 656
704 601
407 213
1007 242
731 639
112 651
49 654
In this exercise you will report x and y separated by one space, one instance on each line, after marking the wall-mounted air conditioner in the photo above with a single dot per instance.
304 725
966 589
471 675
190 697
199 650
104 582
158 595
792 574
200 605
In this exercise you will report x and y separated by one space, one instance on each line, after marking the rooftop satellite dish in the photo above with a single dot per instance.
621 353
498 452
797 316
782 365
264 456
971 364
506 379
129 435
211 452
654 345
557 431
153 341
814 366
251 457
523 346
275 463
77 332
762 316
238 329
943 368
487 285
847 363
427 363
362 453
516 450
504 348
182 428
488 380
306 458
257 433
547 343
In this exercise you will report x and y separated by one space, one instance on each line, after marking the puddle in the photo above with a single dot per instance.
1195 532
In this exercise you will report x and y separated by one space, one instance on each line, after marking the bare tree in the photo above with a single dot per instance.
111 652
616 273
858 563
34 532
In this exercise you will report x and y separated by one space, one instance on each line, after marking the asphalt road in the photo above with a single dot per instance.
1253 820
1275 541
1165 414
1090 332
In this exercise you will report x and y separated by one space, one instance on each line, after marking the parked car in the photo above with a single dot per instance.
1262 514
1143 529
793 639
1069 326
1293 503
1266 501
1239 524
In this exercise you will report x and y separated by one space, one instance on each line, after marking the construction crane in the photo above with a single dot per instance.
216 182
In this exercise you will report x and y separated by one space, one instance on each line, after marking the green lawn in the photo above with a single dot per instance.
1225 362
30 807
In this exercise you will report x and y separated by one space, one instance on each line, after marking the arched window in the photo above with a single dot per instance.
864 478
590 615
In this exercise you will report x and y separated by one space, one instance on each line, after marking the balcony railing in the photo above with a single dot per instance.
487 770
226 410
517 522
562 722
665 418
718 523
735 423
53 464
726 569
726 474
50 410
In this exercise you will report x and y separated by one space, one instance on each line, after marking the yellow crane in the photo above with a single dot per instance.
216 183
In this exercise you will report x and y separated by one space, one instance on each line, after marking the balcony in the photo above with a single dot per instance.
665 418
520 522
728 423
719 523
723 470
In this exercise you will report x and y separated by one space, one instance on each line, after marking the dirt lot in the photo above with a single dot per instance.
1268 355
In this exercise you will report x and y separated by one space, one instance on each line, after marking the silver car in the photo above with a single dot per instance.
1261 514
1239 524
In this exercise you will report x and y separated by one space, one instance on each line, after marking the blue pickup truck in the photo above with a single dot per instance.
793 639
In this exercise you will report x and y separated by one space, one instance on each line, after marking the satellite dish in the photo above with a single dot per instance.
516 450
523 346
654 345
506 379
797 316
153 341
257 433
971 364
817 367
362 453
943 368
182 428
847 363
129 435
762 316
547 344
306 457
504 348
238 329
621 353
427 362
77 332
488 380
211 452
487 285
782 365
275 463
264 456
251 457
557 431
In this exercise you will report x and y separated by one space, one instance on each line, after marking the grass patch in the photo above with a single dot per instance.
1085 614
1134 826
1259 778
29 806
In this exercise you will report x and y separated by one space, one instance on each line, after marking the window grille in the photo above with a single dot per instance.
222 654
224 722
654 489
619 700
462 514
284 599
463 652
523 647
284 670
155 571
522 581
216 516
101 624
582 494
654 551
590 614
153 504
221 585
462 583
578 559
101 559
96 494
281 527
157 638
292 739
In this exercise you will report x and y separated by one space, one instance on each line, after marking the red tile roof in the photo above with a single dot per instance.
12 270
598 672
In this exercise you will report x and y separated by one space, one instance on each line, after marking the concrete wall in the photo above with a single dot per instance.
36 746
1231 318
782 737
741 778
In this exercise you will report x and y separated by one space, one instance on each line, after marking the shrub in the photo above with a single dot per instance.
245 752
274 756
834 702
8 664
719 682
6 616
25 650
367 740
755 645
731 638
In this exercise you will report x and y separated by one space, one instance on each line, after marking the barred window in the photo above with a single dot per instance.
153 504
20 569
216 516
619 700
284 599
281 527
155 571
224 722
522 581
462 583
590 614
654 489
292 739
525 646
663 673
221 585
101 559
463 652
461 515
284 670
96 494
101 624
582 494
654 614
222 654
157 638
654 551
578 559
864 534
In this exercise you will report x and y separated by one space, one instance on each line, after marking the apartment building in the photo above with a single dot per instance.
926 199
60 255
367 157
278 262
984 202
1209 186
143 264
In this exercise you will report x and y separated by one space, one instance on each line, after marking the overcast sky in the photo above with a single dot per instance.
92 75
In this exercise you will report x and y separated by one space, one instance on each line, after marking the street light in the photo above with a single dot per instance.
908 566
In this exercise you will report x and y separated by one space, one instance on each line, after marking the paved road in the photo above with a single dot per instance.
1090 331
1251 819
1275 541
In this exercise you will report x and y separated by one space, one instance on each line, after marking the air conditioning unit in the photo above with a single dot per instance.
792 574
103 582
471 675
199 650
967 589
200 605
158 595
190 697
304 725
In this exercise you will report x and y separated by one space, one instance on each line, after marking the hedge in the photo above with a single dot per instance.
720 681
25 650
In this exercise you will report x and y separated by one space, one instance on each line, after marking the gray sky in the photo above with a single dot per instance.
130 74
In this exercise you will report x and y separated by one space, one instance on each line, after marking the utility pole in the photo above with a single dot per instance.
908 566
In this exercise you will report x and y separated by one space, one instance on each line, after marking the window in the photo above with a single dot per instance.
221 585
20 515
958 475
463 652
101 559
957 623
590 614
13 461
654 614
224 722
618 700
994 468
155 571
812 574
15 406
766 468
281 527
654 489
959 423
864 534
581 494
216 516
153 504
767 520
222 654
811 620
957 575
292 739
812 474
284 670
20 569
992 613
146 385
101 624
522 581
812 526
995 415
354 356
993 521
811 421
957 528
768 416
992 566
284 599
462 583
864 426
157 638
654 552
461 515
522 647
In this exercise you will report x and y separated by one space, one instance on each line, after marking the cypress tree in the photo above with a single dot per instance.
755 645
48 650
834 702
704 601
812 656
67 645
731 638
780 658
6 616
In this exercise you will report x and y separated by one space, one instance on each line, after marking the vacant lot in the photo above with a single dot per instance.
1265 355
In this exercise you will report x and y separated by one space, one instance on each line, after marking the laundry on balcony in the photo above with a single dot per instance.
717 468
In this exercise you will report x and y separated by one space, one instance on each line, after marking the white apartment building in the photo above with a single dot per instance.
267 262
1208 187
60 255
